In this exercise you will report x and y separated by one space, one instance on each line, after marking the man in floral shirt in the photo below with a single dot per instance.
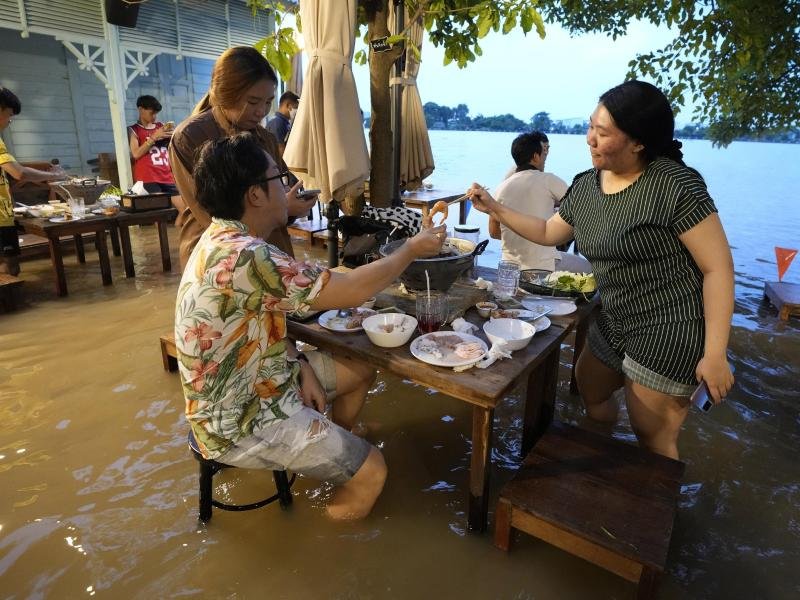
251 400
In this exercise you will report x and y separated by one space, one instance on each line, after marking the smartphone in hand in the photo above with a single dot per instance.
701 396
308 194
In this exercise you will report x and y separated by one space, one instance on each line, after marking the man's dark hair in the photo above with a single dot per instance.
525 146
9 100
148 102
225 170
288 97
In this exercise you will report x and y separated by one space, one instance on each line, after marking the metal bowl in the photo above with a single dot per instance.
442 270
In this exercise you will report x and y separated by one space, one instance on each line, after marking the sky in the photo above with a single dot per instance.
523 75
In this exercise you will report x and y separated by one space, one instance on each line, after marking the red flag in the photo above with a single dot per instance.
784 256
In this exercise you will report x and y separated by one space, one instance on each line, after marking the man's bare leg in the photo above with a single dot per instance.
355 499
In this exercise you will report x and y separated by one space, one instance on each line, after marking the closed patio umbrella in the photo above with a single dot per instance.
416 157
327 148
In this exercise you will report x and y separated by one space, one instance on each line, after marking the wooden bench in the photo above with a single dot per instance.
306 229
169 354
9 284
608 502
784 296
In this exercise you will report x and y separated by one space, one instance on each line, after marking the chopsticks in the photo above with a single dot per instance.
461 198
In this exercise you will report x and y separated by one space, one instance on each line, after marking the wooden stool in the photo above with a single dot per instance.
209 467
9 284
169 354
784 296
608 502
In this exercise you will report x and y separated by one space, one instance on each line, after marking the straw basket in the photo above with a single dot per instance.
88 189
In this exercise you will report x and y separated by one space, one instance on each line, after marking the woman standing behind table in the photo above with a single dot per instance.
662 262
241 94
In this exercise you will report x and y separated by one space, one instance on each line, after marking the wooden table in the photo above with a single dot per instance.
536 365
45 228
161 218
425 199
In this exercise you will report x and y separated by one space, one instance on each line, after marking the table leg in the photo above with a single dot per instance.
102 252
58 266
163 240
114 232
540 400
480 468
79 250
127 252
462 212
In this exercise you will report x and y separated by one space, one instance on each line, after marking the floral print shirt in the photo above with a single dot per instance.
230 334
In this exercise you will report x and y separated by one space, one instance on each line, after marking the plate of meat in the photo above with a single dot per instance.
352 322
448 348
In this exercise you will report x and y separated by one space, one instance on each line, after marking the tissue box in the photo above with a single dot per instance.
134 203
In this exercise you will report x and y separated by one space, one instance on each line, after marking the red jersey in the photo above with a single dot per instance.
153 167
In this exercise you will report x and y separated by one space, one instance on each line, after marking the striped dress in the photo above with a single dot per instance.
650 287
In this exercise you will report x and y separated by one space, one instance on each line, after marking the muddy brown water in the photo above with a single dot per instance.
98 491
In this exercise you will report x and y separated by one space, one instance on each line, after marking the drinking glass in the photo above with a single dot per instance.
431 311
507 279
76 207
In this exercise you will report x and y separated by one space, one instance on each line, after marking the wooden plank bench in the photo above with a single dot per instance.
169 354
9 285
608 502
783 296
306 229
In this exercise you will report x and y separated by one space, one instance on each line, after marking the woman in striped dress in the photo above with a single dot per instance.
662 262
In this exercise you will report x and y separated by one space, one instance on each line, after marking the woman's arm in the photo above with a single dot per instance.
344 290
551 232
709 248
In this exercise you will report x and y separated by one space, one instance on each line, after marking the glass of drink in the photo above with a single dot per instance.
76 207
431 311
507 279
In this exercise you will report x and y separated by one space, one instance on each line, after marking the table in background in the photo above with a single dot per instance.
97 224
161 218
425 199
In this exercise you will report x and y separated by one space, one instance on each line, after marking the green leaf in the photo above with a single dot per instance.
484 24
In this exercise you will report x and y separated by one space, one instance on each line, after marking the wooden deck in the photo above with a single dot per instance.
783 296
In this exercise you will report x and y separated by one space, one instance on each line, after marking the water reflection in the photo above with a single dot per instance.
100 491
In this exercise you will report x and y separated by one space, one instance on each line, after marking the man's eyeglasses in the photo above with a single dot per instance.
284 177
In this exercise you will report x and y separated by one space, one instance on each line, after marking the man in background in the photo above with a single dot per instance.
281 124
9 238
532 191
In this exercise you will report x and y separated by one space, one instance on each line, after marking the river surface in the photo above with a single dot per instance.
98 492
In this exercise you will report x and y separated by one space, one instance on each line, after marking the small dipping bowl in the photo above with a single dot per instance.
485 308
369 303
389 330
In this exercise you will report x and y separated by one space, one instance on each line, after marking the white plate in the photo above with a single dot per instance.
541 324
518 313
448 359
329 320
560 306
64 219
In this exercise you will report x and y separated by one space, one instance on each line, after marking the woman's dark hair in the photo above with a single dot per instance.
225 170
148 102
9 100
643 112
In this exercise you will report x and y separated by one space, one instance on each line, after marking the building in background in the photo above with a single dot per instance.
58 57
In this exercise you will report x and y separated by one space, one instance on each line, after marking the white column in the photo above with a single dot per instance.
115 72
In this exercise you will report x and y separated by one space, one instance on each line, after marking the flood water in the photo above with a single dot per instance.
98 491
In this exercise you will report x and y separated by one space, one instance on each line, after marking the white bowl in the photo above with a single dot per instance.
389 330
513 332
485 308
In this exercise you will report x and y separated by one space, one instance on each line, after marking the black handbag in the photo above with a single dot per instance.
363 238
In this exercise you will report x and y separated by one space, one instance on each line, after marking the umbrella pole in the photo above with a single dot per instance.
397 105
333 233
